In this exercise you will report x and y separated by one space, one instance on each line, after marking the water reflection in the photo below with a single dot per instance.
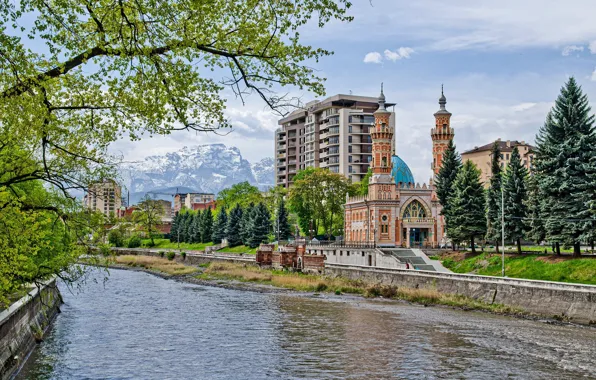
142 327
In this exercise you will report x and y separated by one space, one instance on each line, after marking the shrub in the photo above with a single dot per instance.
134 241
183 254
338 292
321 287
161 253
171 255
115 238
104 249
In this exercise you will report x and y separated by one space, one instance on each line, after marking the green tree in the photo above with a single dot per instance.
195 229
233 227
450 167
534 225
363 185
219 229
148 215
493 198
174 228
282 225
260 226
246 223
466 207
565 159
206 225
515 197
318 195
242 193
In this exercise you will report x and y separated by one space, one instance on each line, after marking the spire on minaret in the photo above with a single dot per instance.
442 103
381 100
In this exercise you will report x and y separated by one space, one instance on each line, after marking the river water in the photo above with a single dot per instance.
139 326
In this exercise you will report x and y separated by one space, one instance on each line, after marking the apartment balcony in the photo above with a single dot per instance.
281 147
292 144
332 154
281 172
292 171
292 162
281 155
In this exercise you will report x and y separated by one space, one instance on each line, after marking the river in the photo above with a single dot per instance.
139 326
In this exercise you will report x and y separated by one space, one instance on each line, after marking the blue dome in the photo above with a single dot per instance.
400 171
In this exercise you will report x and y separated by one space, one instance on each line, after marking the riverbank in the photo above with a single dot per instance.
250 277
531 267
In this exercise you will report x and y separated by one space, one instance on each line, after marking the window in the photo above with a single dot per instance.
350 149
414 210
507 156
350 139
350 127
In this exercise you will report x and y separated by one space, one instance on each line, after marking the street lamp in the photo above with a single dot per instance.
502 230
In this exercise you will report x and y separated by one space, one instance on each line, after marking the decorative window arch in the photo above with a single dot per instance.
415 210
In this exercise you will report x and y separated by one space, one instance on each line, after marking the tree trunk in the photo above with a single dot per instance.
519 251
558 249
577 252
473 247
592 244
497 247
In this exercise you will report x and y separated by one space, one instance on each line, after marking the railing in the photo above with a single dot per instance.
342 244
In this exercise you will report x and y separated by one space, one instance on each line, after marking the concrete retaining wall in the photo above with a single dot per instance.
23 323
192 258
356 256
572 302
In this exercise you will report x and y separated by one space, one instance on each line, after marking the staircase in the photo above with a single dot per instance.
416 258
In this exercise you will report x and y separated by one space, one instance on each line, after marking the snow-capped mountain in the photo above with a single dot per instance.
202 168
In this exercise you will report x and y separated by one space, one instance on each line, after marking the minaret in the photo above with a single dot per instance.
382 137
441 134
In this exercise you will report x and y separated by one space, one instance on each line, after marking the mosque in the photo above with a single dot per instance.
398 212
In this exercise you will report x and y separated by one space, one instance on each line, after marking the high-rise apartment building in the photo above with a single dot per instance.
333 134
105 197
482 156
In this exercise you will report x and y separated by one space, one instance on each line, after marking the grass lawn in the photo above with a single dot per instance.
165 243
239 249
532 267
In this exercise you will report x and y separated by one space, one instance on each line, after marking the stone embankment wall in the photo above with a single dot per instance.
23 324
192 258
573 302
369 257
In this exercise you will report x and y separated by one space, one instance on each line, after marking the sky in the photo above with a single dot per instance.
502 64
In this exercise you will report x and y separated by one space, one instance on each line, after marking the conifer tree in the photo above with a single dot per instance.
493 198
184 227
206 225
246 223
466 207
174 228
534 225
219 228
565 161
516 194
260 225
450 166
233 227
282 225
195 234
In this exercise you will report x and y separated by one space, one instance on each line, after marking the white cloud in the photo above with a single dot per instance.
568 50
592 47
402 52
373 57
593 77
523 106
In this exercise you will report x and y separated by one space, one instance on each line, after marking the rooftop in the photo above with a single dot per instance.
504 146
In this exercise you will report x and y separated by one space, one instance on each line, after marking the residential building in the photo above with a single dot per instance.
105 197
397 212
482 156
193 201
333 133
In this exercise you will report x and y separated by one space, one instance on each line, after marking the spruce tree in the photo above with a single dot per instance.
233 227
246 223
195 229
534 225
282 225
184 227
260 225
466 207
219 228
493 198
174 228
516 194
565 162
206 226
450 166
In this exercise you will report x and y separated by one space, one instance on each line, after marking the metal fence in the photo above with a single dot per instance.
342 244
